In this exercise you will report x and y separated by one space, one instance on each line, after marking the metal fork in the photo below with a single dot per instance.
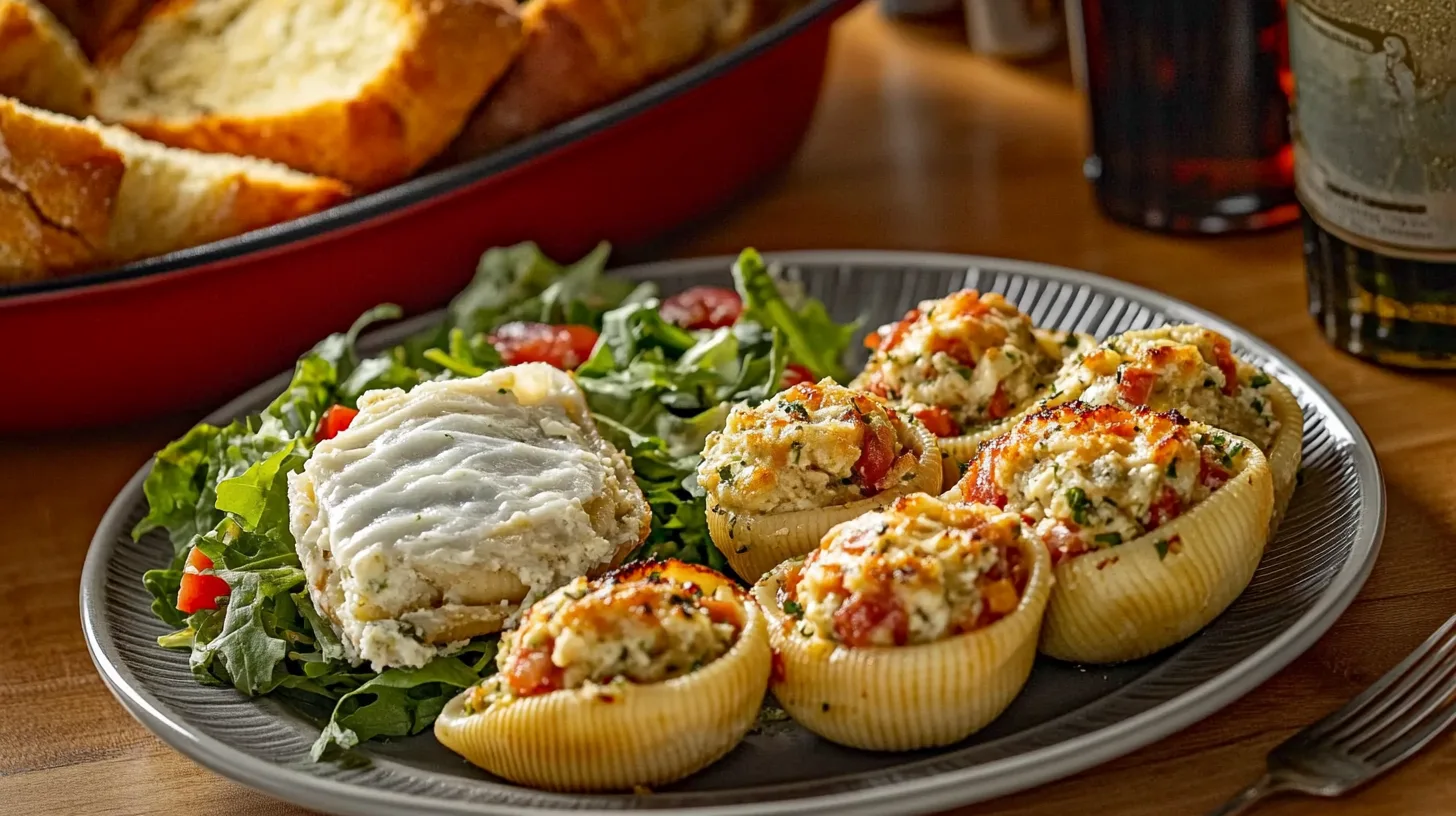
1386 724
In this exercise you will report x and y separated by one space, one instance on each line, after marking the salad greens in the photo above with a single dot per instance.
657 390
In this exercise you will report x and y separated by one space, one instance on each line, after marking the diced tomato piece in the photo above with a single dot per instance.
858 622
198 560
1065 541
876 457
1223 357
199 591
703 307
999 406
892 338
533 673
776 672
1136 386
1166 507
939 421
1211 472
334 422
794 374
565 347
1000 596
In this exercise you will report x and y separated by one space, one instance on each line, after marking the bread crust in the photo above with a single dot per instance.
69 175
72 198
40 63
581 54
401 118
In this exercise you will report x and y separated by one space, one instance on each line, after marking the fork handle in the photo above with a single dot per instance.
1245 799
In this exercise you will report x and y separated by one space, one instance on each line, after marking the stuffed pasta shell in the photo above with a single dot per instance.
1154 524
638 678
909 627
964 365
1192 370
780 474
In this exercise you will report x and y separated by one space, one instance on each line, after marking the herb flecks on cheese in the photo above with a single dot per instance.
916 572
1088 478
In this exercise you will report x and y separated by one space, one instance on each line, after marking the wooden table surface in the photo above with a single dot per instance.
918 145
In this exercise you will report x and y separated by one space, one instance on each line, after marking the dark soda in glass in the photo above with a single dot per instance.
1189 112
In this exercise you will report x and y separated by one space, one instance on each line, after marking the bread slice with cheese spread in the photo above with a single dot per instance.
76 195
582 54
40 62
365 91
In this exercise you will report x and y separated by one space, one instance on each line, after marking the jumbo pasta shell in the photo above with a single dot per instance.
1129 601
1285 453
602 738
754 543
907 697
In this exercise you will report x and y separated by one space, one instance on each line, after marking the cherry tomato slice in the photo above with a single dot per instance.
565 347
702 307
334 422
795 374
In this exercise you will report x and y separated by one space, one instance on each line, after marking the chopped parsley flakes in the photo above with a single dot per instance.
1078 501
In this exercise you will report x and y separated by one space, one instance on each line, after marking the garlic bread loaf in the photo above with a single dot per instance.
76 195
40 62
581 54
365 91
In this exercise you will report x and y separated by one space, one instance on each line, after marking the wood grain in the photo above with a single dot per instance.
918 145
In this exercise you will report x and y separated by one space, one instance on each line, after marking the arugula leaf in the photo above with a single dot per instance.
253 494
243 650
814 339
400 702
175 486
520 283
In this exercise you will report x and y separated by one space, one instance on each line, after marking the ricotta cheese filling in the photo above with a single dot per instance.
464 493
607 631
917 572
1188 369
1087 478
813 445
958 362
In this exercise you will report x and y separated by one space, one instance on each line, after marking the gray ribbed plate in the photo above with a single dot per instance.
1066 720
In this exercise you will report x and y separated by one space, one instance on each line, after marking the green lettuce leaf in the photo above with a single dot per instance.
400 702
815 340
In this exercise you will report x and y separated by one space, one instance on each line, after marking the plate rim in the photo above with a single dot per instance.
929 793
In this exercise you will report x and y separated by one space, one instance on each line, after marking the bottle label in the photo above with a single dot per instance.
1375 121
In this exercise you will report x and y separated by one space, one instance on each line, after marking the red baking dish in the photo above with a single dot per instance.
189 329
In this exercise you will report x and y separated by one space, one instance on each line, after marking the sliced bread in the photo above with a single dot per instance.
40 62
77 194
582 54
361 90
